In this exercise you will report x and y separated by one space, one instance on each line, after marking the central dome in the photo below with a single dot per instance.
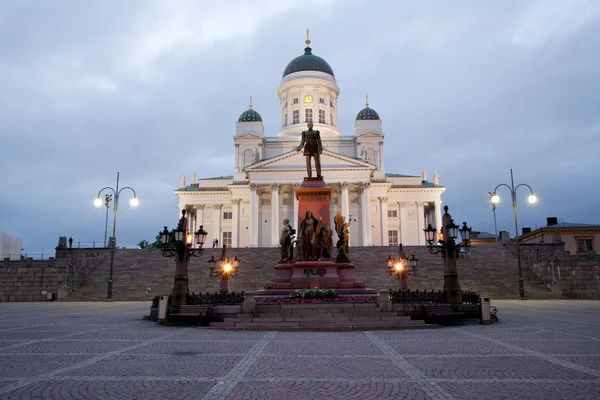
308 62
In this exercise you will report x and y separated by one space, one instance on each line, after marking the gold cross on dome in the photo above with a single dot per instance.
307 38
250 102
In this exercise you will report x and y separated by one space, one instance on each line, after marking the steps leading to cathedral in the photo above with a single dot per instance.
487 269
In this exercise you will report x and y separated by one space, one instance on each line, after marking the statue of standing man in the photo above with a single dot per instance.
311 141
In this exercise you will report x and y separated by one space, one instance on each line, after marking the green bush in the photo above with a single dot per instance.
314 294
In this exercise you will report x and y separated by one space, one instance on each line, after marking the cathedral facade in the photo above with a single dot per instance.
246 209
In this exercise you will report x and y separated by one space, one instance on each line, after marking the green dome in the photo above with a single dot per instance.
250 116
367 113
308 62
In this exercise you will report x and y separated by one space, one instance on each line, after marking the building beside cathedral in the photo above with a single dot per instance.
247 208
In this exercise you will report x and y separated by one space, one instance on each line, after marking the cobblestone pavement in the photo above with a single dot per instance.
539 350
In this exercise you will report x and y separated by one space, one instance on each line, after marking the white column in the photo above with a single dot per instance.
237 157
253 234
368 235
381 158
274 214
294 220
201 208
401 218
420 222
385 239
438 214
345 200
217 224
235 223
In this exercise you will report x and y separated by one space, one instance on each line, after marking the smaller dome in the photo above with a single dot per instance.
367 113
250 116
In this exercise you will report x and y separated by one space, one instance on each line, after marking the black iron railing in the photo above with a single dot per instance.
470 298
417 296
215 298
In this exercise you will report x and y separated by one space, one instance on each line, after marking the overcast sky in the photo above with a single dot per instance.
153 89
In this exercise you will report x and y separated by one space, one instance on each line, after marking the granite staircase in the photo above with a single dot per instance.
321 318
143 274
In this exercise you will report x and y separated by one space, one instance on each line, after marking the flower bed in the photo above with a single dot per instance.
335 300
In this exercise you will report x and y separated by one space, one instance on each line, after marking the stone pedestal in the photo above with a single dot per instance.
314 195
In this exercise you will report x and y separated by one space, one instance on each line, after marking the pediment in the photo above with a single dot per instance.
293 160
370 135
249 136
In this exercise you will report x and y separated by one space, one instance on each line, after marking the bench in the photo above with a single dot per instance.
493 312
438 310
192 310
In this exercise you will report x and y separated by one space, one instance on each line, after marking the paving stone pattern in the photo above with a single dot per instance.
541 349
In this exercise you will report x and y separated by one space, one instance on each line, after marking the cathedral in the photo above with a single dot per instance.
246 209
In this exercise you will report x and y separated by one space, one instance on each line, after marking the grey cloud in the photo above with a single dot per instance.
468 89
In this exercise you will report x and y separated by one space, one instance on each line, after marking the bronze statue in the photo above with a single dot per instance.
311 141
342 229
285 242
308 236
324 242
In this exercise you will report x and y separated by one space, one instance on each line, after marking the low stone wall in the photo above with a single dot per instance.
31 280
55 278
572 276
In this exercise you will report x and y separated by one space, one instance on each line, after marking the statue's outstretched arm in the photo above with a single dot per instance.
302 142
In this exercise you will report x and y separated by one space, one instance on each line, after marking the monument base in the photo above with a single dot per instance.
315 274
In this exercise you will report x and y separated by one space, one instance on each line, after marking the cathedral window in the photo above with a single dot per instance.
331 119
227 239
393 238
285 121
248 157
392 213
321 116
295 100
331 104
295 116
308 115
227 215
321 100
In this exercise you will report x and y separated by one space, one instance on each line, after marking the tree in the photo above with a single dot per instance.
157 244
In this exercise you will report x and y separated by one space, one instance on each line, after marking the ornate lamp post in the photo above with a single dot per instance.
98 203
223 268
178 243
513 194
450 251
399 267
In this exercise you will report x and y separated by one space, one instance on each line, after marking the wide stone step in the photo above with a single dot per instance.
322 328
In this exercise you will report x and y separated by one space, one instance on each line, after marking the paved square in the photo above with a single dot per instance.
539 350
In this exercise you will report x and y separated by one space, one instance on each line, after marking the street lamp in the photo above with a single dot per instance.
513 194
399 267
223 268
490 196
450 252
98 203
178 243
107 200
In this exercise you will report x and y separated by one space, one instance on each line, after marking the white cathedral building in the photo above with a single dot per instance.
247 208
